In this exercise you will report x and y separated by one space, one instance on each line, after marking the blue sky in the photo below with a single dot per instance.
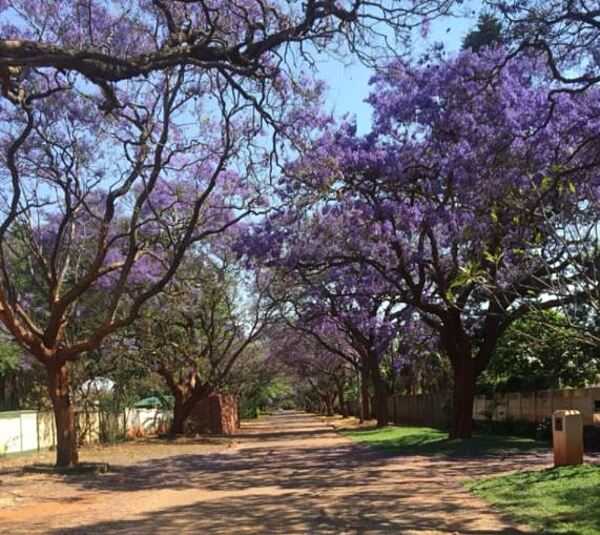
349 84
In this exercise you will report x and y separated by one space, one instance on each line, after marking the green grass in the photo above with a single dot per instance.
563 501
428 441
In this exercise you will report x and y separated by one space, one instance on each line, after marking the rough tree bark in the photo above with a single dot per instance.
365 405
179 415
465 376
380 390
467 365
327 403
342 399
186 399
64 414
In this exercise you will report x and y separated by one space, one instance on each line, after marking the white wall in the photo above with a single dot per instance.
11 431
22 431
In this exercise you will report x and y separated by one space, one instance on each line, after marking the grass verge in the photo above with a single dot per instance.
427 441
560 501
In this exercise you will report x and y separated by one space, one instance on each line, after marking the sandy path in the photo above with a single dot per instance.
288 474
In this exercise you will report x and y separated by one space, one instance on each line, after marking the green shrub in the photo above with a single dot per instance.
543 431
518 428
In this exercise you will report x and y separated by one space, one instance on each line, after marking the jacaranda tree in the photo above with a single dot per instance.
320 376
129 133
456 197
198 331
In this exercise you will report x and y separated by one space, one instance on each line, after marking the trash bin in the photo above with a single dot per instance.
567 437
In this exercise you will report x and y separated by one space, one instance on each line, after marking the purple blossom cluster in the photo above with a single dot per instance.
449 213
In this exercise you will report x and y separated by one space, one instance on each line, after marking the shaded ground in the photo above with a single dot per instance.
289 473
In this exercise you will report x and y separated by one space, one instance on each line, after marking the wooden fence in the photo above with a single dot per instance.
435 410
535 406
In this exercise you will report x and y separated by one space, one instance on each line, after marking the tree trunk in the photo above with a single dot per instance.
181 412
364 395
380 389
64 415
184 407
465 377
342 400
178 416
327 402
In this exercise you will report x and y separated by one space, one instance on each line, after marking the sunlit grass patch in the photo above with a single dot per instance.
562 500
410 440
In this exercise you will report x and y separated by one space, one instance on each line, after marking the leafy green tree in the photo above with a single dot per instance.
541 351
21 379
261 384
9 356
195 334
488 32
9 363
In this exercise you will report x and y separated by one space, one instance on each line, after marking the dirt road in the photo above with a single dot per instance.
286 474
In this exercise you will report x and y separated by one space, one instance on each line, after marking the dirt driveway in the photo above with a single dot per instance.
285 474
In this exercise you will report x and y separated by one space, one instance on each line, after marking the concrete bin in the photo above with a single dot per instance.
567 437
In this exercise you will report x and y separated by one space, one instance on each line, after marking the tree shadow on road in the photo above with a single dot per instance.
318 483
298 512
